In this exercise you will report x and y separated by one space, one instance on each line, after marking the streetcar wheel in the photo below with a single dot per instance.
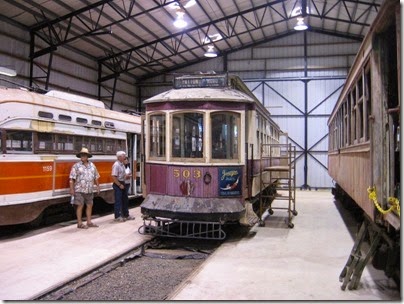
294 212
270 211
290 225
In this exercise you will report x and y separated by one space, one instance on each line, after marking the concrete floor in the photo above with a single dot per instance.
270 263
278 263
33 264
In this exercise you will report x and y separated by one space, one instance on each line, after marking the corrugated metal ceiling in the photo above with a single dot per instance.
138 38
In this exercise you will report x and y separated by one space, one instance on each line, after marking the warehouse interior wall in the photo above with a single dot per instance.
297 77
70 72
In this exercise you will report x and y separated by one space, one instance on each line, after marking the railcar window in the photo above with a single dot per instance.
65 117
60 143
20 141
78 143
81 120
45 114
110 125
96 123
368 101
360 119
345 125
340 128
64 142
157 135
44 142
110 146
353 119
225 135
187 135
360 87
95 144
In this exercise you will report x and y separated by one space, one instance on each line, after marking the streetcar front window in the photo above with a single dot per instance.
225 135
157 135
187 135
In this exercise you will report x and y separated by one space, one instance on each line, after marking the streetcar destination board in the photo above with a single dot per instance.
200 81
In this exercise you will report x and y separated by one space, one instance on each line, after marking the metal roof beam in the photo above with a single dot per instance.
197 27
45 23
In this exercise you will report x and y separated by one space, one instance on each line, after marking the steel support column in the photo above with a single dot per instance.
306 116
43 73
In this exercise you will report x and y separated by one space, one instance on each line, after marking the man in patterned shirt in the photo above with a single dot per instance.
83 175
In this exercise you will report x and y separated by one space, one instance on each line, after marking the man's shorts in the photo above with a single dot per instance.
83 198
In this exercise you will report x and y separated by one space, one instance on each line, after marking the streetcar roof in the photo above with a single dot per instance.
76 98
199 94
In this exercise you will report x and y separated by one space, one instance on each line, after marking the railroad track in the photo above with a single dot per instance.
148 272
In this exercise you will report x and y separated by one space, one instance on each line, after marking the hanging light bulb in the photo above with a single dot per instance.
210 52
179 21
300 25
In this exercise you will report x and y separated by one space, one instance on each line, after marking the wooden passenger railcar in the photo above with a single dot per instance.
40 136
202 142
364 127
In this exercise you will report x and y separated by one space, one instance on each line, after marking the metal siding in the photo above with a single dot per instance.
249 65
325 62
323 95
317 129
329 72
14 53
333 49
277 52
71 72
285 63
299 171
317 175
276 92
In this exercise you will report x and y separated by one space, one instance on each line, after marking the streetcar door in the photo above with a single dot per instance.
134 161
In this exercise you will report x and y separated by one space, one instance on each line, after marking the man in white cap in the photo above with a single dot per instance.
121 211
83 175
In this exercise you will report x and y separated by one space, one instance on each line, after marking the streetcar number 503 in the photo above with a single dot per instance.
196 173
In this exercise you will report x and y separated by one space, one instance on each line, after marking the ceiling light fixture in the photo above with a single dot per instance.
190 3
7 72
300 25
212 38
179 21
176 5
210 52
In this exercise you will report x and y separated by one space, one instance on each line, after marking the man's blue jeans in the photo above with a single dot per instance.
125 201
119 194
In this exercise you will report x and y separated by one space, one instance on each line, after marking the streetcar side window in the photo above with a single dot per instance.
44 142
157 135
368 101
352 102
61 143
225 135
19 141
64 142
187 135
95 145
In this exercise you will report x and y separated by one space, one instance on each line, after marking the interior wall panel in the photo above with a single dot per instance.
71 72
